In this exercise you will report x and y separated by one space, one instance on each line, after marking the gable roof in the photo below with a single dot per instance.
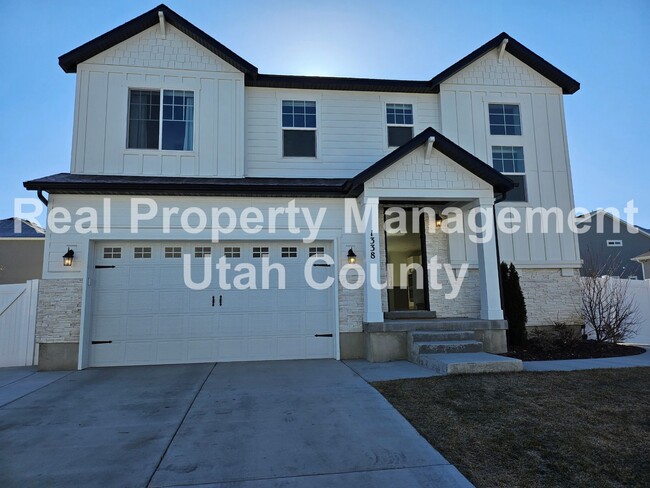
641 258
453 151
70 60
581 219
27 229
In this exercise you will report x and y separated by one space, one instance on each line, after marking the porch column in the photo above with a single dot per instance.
487 262
372 311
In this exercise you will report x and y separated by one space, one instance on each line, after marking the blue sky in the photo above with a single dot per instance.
604 45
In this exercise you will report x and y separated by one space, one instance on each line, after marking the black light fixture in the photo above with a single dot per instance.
438 220
352 258
68 257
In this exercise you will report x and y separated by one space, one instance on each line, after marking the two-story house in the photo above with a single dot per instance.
172 130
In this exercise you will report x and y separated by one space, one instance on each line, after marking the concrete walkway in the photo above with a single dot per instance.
578 364
266 424
15 383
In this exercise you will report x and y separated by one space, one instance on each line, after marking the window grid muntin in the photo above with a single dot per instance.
316 251
173 252
232 252
508 159
299 114
177 107
112 252
400 114
144 109
289 252
143 252
261 252
505 119
202 251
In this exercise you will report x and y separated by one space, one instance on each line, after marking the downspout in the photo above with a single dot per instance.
39 194
501 198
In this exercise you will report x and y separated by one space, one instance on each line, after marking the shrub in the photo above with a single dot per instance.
514 306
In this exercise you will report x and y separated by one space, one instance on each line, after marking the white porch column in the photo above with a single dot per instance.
372 311
487 261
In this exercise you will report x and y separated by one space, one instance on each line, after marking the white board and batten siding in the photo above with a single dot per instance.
149 61
464 100
18 324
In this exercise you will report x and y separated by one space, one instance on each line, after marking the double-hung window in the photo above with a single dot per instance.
167 126
509 160
298 128
399 120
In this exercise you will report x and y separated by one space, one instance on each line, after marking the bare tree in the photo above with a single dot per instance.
606 307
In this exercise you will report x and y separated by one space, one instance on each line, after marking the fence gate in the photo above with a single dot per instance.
18 323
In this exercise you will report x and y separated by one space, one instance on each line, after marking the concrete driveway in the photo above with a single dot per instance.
263 424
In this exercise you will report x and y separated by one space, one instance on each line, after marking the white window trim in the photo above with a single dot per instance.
133 150
302 98
614 243
509 137
387 125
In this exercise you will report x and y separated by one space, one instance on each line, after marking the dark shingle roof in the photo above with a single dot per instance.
27 229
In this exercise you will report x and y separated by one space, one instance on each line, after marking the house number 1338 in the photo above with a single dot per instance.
372 246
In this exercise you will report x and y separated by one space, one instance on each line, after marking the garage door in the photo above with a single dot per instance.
143 312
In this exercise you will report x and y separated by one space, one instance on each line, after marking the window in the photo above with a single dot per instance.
112 252
504 119
173 252
316 251
232 252
202 252
169 126
298 128
509 160
260 252
615 243
289 252
141 252
399 119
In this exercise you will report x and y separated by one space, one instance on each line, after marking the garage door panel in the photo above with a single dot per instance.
145 308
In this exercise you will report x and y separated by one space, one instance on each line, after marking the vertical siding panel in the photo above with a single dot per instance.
206 115
226 137
465 121
116 123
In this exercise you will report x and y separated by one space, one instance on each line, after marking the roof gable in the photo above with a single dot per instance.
588 217
453 151
70 60
27 229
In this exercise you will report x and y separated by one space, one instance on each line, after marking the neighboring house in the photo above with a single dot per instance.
163 111
610 245
644 261
21 251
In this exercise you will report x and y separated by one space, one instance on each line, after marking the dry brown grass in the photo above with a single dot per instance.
577 429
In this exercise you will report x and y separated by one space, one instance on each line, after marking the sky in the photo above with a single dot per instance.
605 45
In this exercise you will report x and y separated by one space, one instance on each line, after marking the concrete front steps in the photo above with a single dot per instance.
455 352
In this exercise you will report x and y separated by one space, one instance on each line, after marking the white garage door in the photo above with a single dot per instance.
143 312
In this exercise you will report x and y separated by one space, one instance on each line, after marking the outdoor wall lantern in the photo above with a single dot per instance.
352 258
68 257
438 220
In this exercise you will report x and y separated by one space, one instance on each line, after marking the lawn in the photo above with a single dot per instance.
582 428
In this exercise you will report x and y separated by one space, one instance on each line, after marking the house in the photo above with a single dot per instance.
609 245
179 135
21 251
644 261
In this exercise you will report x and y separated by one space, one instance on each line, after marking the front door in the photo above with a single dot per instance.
406 262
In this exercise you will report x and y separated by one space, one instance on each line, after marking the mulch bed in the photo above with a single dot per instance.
578 349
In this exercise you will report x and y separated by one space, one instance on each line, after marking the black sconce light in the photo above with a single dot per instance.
352 258
68 257
438 221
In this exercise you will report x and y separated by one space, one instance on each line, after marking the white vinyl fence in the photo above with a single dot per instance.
18 324
640 292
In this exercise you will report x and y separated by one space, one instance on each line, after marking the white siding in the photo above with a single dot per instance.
351 130
464 100
150 61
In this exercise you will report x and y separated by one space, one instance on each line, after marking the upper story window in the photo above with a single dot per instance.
167 126
504 119
298 128
399 119
615 243
510 161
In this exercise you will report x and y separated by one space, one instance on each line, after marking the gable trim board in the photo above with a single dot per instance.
70 60
327 187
